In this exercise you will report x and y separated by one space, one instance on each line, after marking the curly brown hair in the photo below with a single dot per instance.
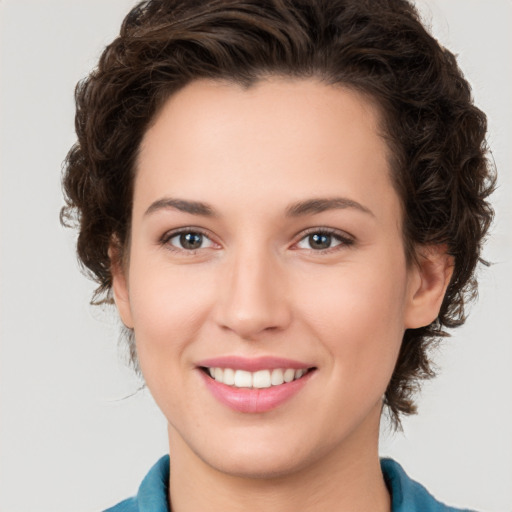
378 47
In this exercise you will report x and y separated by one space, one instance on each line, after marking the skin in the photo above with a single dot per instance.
256 287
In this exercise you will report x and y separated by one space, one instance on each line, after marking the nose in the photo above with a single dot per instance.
253 298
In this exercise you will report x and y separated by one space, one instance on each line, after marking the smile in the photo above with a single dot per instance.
260 379
254 385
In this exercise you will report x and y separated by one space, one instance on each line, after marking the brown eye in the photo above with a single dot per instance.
323 240
189 241
319 241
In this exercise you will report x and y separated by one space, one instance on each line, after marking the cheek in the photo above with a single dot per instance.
168 308
358 295
358 314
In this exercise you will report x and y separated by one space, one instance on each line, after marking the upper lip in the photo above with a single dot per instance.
252 364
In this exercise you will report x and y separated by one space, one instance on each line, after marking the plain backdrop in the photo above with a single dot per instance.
72 437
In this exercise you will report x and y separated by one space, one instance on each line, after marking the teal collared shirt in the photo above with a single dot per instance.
406 494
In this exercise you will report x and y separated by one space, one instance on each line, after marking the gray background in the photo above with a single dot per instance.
71 437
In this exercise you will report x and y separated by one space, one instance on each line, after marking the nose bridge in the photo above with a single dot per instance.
254 298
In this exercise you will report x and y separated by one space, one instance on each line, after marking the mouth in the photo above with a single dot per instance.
254 385
261 379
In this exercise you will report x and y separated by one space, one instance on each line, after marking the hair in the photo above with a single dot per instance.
379 48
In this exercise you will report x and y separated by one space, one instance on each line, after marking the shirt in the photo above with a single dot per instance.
406 494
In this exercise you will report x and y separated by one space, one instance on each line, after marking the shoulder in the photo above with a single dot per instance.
407 494
152 493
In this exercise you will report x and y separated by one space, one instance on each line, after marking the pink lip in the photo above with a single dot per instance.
253 364
250 400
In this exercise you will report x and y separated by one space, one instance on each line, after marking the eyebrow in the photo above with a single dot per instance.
312 206
307 207
192 207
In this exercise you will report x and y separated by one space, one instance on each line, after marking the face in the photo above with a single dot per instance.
267 284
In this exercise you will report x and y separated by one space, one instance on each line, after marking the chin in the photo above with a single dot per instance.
260 455
260 466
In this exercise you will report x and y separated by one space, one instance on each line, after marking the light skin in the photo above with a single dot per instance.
285 189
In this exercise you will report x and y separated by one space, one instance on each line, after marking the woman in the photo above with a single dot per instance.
286 201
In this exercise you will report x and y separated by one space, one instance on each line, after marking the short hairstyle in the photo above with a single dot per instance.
436 136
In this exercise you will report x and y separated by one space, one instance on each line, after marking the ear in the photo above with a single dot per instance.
429 279
120 286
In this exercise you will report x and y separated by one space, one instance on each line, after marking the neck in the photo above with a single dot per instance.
348 478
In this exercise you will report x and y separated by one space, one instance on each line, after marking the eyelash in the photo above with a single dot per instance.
343 239
167 237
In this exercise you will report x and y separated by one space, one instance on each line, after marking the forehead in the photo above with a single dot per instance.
278 139
290 105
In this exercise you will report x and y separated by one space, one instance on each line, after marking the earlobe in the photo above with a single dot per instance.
120 287
429 280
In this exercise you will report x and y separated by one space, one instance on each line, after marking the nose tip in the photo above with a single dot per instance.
249 325
253 300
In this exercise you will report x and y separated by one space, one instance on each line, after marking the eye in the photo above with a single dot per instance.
323 240
188 240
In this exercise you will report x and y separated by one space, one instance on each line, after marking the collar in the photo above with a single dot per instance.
406 494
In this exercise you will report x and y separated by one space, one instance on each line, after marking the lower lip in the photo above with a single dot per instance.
250 400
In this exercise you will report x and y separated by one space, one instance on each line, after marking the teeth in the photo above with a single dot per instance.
289 375
229 376
277 377
259 380
243 379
